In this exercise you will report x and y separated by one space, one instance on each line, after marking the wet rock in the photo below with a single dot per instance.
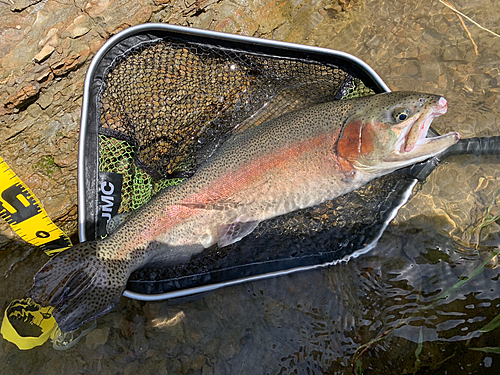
97 337
44 53
45 100
141 344
198 362
229 348
174 366
21 97
452 53
80 26
207 370
373 42
20 5
429 71
132 368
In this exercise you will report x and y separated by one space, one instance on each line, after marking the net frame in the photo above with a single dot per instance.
122 44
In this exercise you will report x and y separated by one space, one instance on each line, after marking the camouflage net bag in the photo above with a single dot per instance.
160 99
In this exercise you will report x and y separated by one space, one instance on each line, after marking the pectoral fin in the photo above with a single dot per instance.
231 233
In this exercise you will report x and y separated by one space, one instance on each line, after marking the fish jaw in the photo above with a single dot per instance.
381 141
413 146
417 131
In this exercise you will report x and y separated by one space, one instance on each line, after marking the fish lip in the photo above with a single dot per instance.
408 141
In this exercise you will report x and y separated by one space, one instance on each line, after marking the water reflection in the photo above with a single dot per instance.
391 300
165 322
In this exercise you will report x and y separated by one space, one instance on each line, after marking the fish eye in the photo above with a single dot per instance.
401 114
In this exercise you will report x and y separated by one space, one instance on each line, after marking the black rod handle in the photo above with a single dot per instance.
470 146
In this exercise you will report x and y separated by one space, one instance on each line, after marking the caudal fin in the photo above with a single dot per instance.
80 286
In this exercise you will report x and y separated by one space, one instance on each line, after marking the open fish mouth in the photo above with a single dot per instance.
416 133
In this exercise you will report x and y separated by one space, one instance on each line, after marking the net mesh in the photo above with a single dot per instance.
314 235
166 105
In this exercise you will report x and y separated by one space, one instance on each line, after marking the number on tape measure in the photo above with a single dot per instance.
25 214
16 204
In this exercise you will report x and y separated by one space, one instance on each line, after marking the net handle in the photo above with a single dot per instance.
477 146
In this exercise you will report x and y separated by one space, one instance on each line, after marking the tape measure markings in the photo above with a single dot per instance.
26 215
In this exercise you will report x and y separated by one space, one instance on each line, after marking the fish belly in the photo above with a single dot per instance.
275 192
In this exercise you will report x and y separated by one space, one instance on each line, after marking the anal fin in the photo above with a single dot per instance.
231 233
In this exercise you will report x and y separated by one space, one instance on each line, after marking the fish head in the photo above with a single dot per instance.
388 131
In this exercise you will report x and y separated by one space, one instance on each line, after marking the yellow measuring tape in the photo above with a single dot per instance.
25 214
27 217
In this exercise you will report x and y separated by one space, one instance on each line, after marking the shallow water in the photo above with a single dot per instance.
313 322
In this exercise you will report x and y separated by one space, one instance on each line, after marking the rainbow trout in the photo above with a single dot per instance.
295 161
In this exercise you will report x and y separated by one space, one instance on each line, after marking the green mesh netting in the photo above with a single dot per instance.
357 89
138 187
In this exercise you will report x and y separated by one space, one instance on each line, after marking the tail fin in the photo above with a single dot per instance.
80 286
